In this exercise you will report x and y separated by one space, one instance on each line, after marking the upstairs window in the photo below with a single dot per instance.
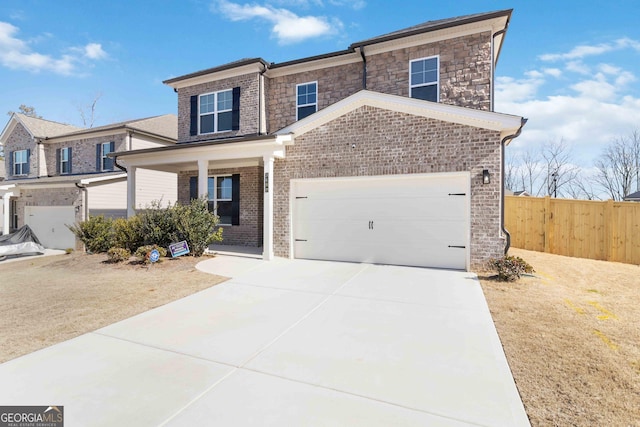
215 112
64 160
103 161
20 160
424 78
306 99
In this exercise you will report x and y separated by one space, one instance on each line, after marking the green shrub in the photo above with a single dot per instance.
143 253
509 268
96 233
157 224
116 255
195 224
127 233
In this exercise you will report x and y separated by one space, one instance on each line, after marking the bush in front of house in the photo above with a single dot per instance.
143 253
116 255
96 233
127 233
155 225
509 268
195 224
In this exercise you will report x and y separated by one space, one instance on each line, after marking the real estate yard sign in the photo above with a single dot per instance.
179 249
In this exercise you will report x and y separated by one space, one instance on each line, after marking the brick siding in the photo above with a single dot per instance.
249 232
83 160
389 143
249 88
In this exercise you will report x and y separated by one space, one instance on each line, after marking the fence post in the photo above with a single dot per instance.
547 224
608 230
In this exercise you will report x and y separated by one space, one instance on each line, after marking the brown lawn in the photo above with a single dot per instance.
46 300
571 333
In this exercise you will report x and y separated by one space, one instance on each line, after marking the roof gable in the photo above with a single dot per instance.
505 123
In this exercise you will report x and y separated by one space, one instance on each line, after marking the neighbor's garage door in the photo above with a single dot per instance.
49 225
414 220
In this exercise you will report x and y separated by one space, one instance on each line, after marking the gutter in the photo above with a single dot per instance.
504 142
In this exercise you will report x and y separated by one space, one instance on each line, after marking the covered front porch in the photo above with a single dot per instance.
235 175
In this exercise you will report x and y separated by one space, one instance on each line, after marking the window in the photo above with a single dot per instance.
424 78
306 99
64 159
216 111
14 214
224 196
103 162
21 162
221 198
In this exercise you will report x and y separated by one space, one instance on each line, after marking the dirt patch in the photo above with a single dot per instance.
46 300
571 333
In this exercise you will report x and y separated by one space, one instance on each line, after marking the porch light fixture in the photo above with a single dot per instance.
486 178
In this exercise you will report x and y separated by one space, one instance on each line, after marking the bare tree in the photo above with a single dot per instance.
88 112
559 167
619 166
27 111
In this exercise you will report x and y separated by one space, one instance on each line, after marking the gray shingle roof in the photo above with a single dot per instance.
164 126
41 128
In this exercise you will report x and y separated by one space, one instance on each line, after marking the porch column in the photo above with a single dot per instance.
131 191
6 203
267 239
203 177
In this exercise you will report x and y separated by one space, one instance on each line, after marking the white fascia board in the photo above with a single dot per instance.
218 75
491 25
434 110
89 181
8 187
312 65
226 152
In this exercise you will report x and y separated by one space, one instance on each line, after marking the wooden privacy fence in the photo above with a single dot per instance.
578 228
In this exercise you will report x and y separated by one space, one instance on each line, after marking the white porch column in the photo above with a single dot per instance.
131 191
6 203
267 239
203 177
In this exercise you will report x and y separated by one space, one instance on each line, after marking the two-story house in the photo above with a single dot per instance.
58 174
386 152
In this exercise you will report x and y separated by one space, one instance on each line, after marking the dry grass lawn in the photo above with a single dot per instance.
571 333
46 300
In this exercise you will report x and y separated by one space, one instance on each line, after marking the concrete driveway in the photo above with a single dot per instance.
287 343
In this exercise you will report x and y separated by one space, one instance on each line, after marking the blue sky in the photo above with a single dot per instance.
571 67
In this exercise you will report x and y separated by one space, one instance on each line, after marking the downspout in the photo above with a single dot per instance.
260 87
502 146
493 65
364 68
85 200
115 162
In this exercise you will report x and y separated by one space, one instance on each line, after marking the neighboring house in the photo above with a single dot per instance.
386 152
633 197
58 174
2 175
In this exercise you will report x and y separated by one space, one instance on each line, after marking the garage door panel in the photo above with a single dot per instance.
417 220
49 223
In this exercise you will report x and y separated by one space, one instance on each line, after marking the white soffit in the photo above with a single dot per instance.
438 111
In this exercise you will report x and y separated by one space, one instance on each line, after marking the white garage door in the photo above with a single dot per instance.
414 220
49 225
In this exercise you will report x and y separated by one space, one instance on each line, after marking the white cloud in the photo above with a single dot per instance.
287 26
17 54
555 72
94 51
583 51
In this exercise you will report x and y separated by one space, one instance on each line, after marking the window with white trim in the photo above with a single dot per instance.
65 160
215 111
306 99
424 79
106 163
220 190
20 162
